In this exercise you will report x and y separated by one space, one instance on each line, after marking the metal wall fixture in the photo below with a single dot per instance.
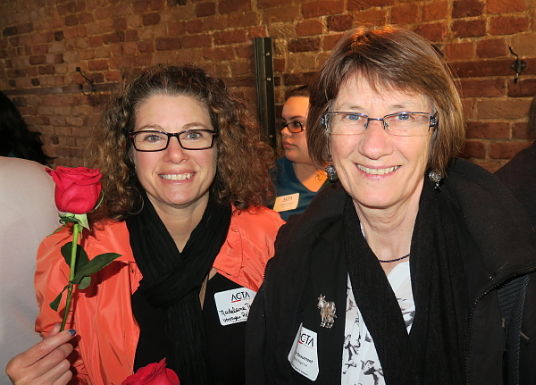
91 82
517 66
264 79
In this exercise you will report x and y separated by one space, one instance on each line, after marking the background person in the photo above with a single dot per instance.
184 175
16 140
394 275
297 180
519 175
28 214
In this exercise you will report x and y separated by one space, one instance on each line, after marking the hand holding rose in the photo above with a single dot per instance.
44 363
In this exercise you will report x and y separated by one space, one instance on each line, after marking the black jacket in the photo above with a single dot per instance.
500 245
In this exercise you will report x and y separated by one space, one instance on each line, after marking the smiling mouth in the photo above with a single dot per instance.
377 171
176 176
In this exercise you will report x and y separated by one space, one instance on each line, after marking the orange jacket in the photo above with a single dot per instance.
107 333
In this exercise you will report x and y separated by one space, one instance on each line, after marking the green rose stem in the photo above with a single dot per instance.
76 231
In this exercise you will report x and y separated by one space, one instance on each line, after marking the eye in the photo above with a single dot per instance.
194 135
151 137
353 117
404 117
295 124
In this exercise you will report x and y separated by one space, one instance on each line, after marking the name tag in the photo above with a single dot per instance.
233 305
286 202
303 356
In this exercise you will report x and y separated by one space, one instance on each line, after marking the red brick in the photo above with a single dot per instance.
304 45
486 88
131 35
205 9
502 109
434 11
508 25
151 19
322 8
24 28
361 5
230 37
330 41
405 14
373 16
115 37
71 20
259 31
488 130
196 41
194 26
140 6
157 5
98 65
506 150
523 88
169 43
244 19
95 41
41 59
244 51
505 6
467 8
471 28
521 131
47 70
482 68
339 23
120 24
85 18
227 6
491 48
219 54
279 65
271 3
434 31
146 46
460 51
473 149
281 14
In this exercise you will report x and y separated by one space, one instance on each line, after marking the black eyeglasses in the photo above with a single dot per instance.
293 126
151 141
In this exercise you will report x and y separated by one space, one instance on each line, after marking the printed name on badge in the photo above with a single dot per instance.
233 305
286 202
303 355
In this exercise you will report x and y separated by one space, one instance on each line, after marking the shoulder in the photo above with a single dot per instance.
256 218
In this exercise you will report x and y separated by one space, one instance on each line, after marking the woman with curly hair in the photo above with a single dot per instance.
184 177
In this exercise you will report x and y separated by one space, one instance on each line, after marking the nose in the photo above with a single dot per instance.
375 141
174 152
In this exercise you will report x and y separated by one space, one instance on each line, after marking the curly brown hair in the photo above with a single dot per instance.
243 163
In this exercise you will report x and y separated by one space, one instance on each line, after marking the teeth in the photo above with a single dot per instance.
176 176
377 171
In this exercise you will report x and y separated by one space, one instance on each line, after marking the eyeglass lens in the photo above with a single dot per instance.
158 140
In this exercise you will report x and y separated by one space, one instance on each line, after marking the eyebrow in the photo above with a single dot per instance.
186 127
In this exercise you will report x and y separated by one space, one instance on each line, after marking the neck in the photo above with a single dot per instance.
180 222
388 231
309 175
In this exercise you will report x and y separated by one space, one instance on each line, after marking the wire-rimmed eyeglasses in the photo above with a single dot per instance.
399 124
150 140
293 126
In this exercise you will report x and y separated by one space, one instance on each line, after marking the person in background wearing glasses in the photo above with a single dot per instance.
297 180
417 268
184 177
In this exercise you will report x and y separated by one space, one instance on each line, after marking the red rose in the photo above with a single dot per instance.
153 374
77 189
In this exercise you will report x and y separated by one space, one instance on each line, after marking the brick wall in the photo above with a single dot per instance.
42 42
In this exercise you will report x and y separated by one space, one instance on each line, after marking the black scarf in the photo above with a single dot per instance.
172 281
433 351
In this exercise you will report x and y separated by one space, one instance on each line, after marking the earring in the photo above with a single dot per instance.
332 173
436 178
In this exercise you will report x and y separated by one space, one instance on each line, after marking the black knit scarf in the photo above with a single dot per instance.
172 281
433 351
